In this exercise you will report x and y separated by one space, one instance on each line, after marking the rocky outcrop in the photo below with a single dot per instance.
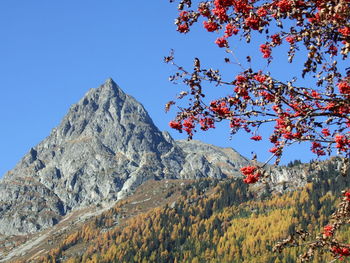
27 205
103 149
208 160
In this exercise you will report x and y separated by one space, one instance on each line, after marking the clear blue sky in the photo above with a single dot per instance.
53 52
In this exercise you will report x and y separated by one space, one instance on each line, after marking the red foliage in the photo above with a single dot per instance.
183 28
341 252
319 114
266 50
175 125
328 231
252 174
221 42
230 30
210 26
347 196
344 87
316 112
256 138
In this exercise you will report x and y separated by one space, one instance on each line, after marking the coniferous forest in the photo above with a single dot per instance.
212 221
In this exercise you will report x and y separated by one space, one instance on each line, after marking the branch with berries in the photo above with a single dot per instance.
317 112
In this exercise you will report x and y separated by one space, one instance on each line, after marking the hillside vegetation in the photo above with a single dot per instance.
210 222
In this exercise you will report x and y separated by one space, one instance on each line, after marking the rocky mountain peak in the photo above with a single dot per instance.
106 92
104 148
110 82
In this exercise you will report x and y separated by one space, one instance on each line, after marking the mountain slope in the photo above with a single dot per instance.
210 222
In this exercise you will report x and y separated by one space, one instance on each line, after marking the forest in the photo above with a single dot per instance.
213 221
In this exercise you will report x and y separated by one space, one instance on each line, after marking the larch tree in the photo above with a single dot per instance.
312 107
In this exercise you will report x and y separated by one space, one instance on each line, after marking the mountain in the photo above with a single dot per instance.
104 148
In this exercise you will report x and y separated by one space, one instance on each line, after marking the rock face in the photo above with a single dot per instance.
104 148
